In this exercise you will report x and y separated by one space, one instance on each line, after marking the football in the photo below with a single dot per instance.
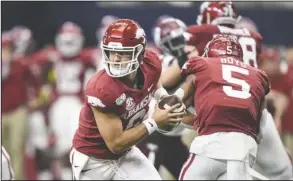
165 103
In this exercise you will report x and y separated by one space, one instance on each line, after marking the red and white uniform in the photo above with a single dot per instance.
17 76
110 94
6 170
71 75
249 40
228 100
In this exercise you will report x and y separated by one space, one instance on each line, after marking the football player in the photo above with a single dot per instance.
161 147
115 115
65 70
221 18
20 86
229 100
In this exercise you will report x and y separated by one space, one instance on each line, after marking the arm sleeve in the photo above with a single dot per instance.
193 65
97 96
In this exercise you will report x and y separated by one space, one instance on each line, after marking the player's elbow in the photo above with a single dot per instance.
115 147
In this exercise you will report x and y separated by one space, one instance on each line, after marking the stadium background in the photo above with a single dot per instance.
273 19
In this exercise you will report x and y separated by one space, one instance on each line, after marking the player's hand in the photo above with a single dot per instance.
166 116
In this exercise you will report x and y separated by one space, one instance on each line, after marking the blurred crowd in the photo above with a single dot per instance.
42 93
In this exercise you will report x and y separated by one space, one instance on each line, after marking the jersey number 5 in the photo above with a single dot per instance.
227 76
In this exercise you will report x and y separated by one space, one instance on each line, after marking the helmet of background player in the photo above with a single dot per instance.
202 7
124 39
219 13
22 40
169 36
245 22
6 47
105 23
158 21
223 45
69 40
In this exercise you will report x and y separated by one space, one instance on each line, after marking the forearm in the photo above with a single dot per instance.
132 136
188 120
186 89
129 138
172 76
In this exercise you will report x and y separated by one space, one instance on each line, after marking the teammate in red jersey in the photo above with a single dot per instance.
229 100
117 100
20 86
65 70
221 18
160 147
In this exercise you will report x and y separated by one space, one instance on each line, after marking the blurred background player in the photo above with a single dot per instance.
161 147
20 85
65 68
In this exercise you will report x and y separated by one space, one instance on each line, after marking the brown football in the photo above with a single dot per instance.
165 103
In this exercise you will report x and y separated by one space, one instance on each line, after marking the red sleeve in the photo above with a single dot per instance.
98 93
200 35
153 59
265 81
193 65
32 76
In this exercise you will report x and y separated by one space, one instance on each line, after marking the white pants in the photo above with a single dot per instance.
64 119
6 170
38 131
132 166
272 159
199 167
218 153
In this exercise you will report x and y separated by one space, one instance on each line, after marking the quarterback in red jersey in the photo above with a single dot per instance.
116 114
229 100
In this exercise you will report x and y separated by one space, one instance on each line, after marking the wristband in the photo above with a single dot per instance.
150 125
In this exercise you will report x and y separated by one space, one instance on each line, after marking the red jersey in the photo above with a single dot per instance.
250 40
110 94
229 94
67 75
17 77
